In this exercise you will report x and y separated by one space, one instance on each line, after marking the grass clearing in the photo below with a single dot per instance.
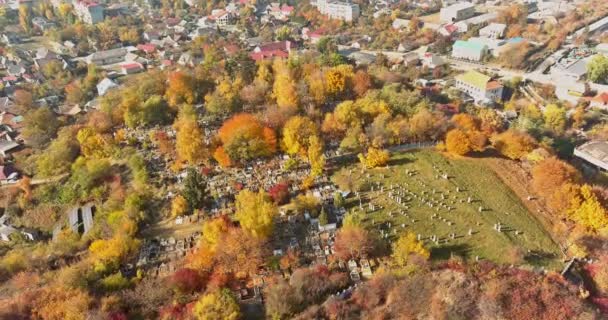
520 229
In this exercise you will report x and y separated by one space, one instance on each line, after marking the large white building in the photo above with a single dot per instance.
469 50
342 10
457 12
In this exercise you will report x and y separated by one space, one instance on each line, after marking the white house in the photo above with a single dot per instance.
469 50
456 12
431 60
493 30
479 86
594 152
342 10
105 85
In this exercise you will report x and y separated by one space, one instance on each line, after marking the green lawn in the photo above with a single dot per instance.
475 180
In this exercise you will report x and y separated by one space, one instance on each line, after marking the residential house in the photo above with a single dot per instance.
469 50
279 12
105 85
457 12
594 153
570 69
131 68
479 86
448 30
8 174
342 10
103 58
280 49
600 101
189 59
493 30
401 24
480 20
316 35
431 60
221 17
88 11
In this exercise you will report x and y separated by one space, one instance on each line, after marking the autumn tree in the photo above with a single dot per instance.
406 245
214 230
94 144
361 83
179 206
189 143
353 242
316 158
40 126
587 211
284 88
550 174
244 137
59 303
225 99
218 305
514 144
337 78
555 118
374 158
256 213
57 158
239 252
186 281
181 89
297 133
457 142
108 254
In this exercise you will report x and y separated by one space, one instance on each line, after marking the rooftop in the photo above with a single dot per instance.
595 152
474 78
469 45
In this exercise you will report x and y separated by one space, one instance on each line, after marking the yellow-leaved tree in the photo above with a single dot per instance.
284 88
587 210
189 144
217 305
179 206
315 156
297 133
256 212
374 158
514 144
405 246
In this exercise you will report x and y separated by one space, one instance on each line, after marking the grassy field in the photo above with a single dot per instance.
419 178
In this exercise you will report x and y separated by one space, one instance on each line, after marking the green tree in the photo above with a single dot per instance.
195 190
41 126
597 69
60 154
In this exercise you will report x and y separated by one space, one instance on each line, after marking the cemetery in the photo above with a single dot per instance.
456 206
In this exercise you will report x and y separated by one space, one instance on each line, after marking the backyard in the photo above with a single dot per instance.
457 206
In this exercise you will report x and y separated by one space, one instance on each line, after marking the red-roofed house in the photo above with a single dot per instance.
600 101
148 48
316 35
279 12
130 68
278 49
448 30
